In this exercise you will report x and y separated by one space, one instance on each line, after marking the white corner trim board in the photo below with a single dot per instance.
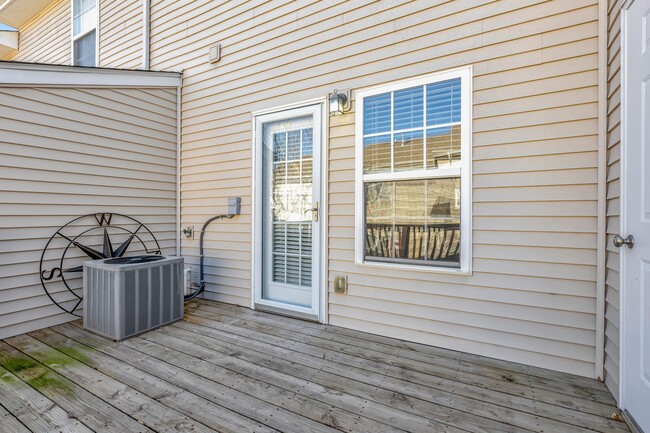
18 74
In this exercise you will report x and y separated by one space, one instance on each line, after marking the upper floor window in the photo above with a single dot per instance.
84 32
413 172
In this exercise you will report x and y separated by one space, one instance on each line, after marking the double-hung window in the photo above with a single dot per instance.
84 32
413 162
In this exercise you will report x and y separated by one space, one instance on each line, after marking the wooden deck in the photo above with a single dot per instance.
230 369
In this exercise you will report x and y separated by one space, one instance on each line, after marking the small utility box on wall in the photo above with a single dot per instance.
234 205
214 53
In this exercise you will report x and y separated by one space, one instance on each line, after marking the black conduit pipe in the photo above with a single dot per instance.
201 287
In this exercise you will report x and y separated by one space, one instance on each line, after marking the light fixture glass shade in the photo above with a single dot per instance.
337 103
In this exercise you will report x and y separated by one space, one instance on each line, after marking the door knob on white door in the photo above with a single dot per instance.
619 241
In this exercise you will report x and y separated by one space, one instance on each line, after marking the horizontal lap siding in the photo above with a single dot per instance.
46 38
531 298
612 297
120 42
69 152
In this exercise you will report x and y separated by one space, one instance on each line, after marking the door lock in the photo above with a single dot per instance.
619 241
314 212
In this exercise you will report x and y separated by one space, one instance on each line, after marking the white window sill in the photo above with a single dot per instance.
415 268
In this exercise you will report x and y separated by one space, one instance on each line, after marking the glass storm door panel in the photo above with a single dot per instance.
290 210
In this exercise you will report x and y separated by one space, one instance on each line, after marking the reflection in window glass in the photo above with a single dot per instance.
288 178
84 16
84 33
413 221
376 154
84 50
376 114
443 102
412 171
408 108
443 147
409 151
380 200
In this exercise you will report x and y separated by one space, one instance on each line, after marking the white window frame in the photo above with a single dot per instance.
463 171
74 38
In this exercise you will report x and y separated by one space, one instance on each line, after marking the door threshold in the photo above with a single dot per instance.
287 313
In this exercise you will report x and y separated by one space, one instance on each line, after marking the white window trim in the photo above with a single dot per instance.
465 171
74 38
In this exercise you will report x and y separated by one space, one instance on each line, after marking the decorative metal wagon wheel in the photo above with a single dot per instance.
93 237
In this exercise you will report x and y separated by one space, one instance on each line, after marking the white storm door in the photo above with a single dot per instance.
289 211
636 215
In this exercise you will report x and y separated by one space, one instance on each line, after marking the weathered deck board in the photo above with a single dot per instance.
146 410
449 392
399 350
367 360
195 407
96 414
33 409
9 422
233 370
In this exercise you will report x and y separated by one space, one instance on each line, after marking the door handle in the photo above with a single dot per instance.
314 212
619 241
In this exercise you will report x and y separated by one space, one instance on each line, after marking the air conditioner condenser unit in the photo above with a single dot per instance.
126 296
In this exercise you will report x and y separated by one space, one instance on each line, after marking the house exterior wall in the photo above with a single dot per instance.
532 295
612 297
531 298
46 38
120 30
58 162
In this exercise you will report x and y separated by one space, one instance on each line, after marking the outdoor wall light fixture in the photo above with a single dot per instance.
339 102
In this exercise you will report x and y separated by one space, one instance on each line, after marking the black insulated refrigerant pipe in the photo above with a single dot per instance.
201 271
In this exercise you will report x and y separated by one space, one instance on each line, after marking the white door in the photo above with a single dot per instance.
288 196
635 359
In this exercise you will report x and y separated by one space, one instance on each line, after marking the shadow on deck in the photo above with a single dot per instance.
230 369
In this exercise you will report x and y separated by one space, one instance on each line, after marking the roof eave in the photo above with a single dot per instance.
16 13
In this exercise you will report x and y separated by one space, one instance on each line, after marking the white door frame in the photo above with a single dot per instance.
623 204
622 228
318 311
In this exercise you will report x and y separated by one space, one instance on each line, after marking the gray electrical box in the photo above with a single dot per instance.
234 205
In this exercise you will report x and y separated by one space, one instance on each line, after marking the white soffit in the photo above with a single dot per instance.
5 51
16 13
31 74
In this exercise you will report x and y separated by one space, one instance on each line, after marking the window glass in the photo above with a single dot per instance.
412 174
376 114
443 147
414 221
379 203
409 150
408 106
376 154
84 50
84 16
443 102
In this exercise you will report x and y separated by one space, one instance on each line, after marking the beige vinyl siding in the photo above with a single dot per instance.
120 28
612 296
68 152
532 295
46 38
